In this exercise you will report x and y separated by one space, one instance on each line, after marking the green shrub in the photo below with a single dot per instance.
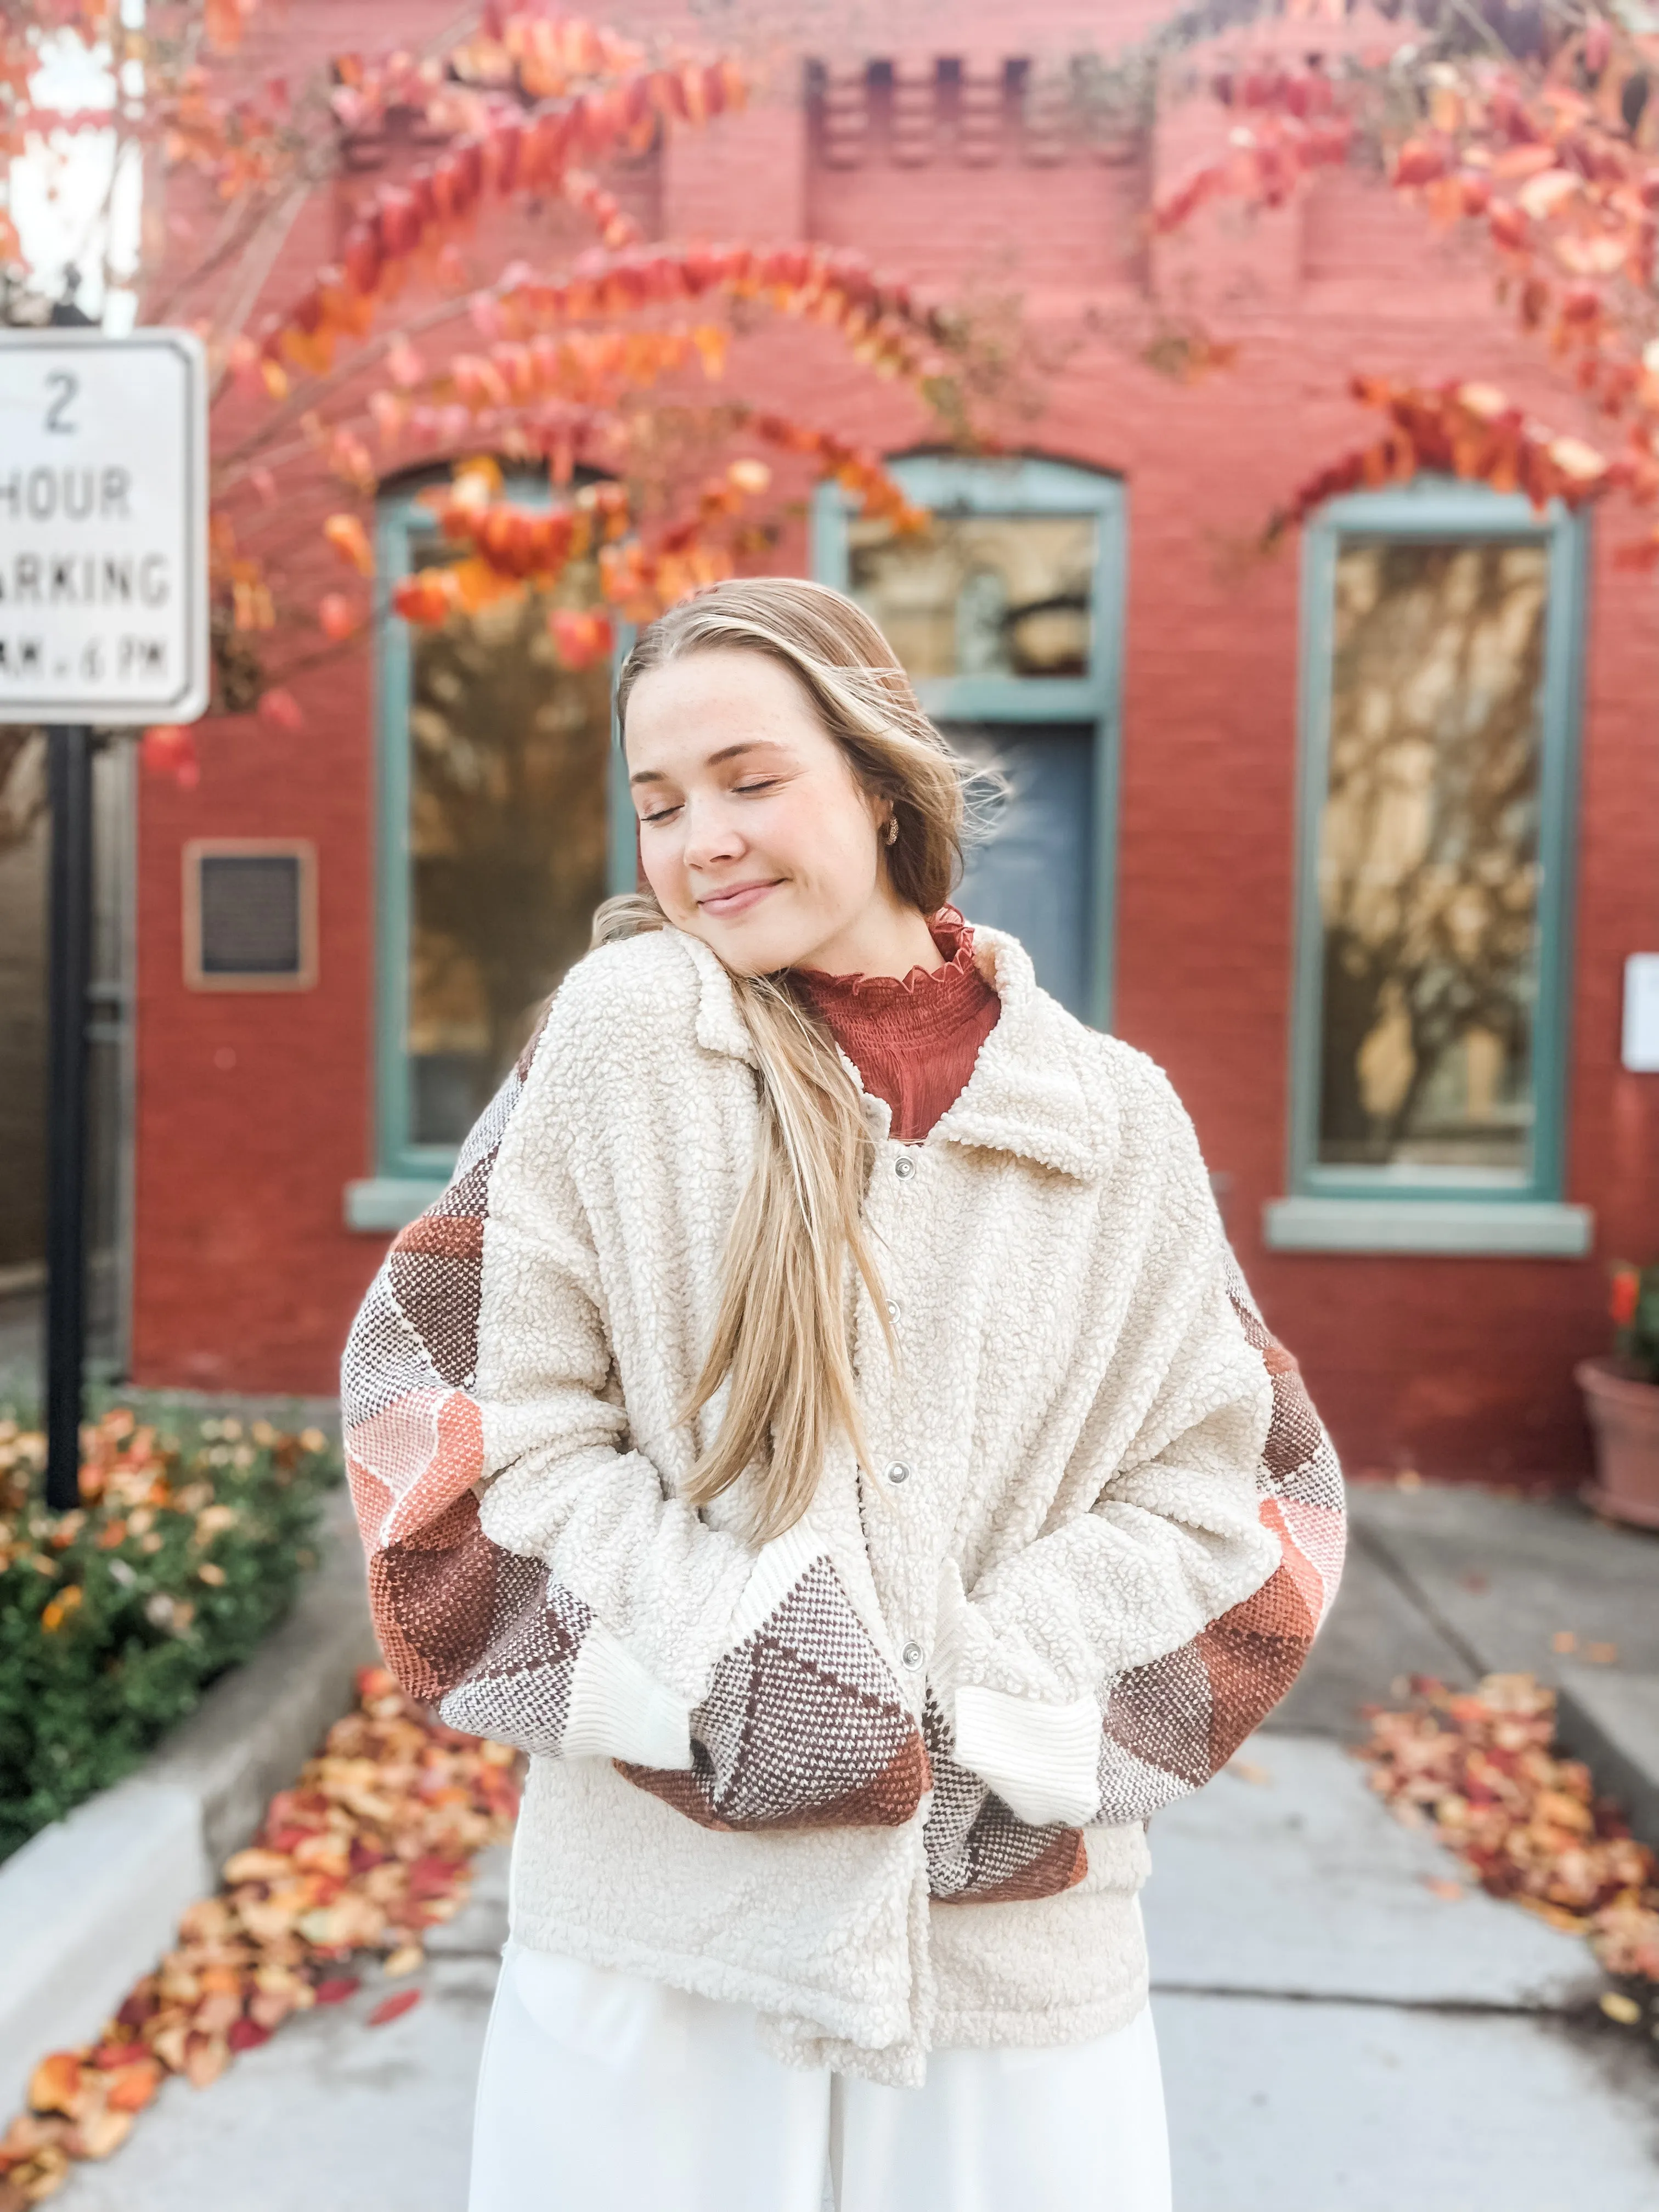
115 1618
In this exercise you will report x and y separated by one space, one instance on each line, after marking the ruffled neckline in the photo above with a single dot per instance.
952 935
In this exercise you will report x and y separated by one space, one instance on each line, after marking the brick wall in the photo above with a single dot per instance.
255 1113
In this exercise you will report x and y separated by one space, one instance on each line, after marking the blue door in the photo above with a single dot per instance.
1034 875
1006 612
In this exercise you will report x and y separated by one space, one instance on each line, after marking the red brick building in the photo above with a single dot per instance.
1355 840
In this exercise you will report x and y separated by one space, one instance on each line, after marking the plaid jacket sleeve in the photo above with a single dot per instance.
532 1577
1118 1662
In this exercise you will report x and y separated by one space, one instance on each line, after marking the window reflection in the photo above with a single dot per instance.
1428 871
981 594
509 755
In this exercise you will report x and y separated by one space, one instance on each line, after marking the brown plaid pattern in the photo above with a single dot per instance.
803 1727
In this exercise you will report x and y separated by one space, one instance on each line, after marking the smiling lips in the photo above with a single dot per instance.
737 900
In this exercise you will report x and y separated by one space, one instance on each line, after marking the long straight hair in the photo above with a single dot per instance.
798 1240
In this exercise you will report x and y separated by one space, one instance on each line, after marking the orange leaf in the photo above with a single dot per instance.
1529 160
55 2084
346 534
132 2087
206 2057
99 2134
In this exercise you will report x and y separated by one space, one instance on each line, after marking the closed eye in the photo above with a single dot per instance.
738 791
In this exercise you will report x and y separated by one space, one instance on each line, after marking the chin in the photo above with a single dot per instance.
746 956
760 948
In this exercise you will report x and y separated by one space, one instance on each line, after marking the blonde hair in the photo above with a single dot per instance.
782 1334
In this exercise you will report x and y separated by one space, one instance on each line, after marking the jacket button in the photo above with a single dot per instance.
898 1472
904 1167
892 1309
912 1655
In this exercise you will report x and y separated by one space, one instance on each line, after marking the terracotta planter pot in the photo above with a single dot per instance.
1624 1415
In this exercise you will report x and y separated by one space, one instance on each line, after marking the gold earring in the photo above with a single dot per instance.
890 833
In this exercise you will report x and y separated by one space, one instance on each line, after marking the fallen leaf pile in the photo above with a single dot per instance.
1480 1767
371 1846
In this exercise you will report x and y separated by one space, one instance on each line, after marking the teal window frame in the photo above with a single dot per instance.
408 1175
949 485
1418 1209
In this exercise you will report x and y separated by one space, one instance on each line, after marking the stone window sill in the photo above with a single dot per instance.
1489 1228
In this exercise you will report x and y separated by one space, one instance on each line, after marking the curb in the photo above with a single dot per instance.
1611 1722
92 1902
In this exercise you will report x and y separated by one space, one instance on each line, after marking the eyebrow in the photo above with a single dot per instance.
726 753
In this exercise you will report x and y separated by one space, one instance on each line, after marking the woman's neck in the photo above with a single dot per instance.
887 938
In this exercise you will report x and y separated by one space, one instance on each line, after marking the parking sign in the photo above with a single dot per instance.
103 527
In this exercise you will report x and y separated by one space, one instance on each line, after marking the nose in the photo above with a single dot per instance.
711 834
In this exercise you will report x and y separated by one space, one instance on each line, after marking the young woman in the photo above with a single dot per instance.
823 1424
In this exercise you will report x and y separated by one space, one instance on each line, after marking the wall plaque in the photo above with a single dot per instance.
250 914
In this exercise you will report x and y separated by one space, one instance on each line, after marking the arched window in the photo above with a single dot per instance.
1008 613
502 824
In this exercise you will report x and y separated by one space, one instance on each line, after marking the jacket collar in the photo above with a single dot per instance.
1026 1094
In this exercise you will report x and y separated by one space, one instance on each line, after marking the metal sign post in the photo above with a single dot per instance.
103 622
69 770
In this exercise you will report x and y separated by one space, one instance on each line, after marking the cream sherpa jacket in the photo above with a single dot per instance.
887 1779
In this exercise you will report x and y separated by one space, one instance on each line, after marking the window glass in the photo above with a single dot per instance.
1428 857
981 594
509 765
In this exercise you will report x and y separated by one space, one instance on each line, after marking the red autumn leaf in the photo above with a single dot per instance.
336 1988
246 2035
1418 162
168 749
432 1876
580 639
393 2008
282 710
426 599
118 2054
340 617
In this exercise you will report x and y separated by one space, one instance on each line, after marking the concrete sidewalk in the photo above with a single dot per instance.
1336 2037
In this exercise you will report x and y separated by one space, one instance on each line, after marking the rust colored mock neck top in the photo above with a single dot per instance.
913 1039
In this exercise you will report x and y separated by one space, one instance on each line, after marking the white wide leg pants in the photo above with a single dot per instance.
603 2092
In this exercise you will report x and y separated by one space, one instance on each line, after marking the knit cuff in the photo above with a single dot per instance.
779 1566
618 1711
1041 1759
